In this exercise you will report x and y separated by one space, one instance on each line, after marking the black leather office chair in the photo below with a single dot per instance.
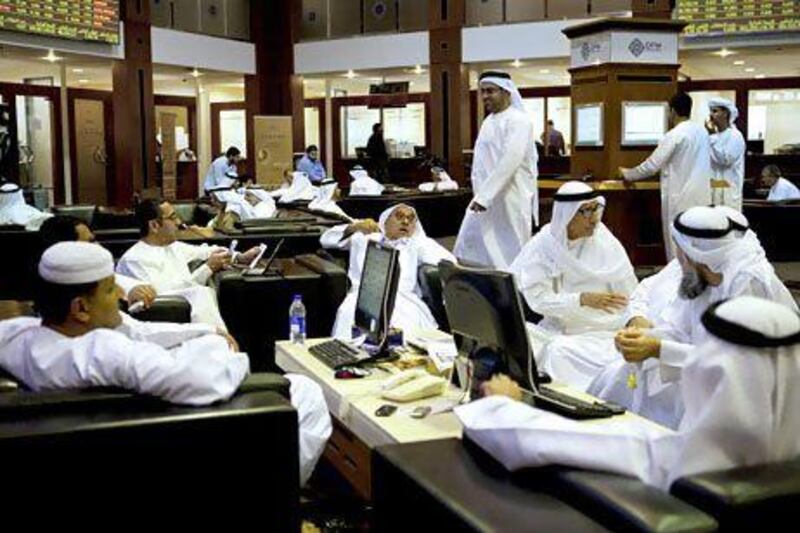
185 211
763 497
166 309
430 284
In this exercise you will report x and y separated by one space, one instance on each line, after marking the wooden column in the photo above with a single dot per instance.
134 110
274 89
657 9
450 106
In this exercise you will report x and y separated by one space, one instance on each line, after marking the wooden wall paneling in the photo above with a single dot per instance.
413 15
212 17
237 19
380 16
481 12
186 15
345 18
567 9
314 23
525 10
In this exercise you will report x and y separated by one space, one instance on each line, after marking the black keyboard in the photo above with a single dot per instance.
336 354
568 406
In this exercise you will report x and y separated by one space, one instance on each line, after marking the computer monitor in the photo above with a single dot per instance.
487 321
377 291
643 123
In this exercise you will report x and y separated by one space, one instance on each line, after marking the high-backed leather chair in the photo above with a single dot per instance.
764 497
166 309
84 212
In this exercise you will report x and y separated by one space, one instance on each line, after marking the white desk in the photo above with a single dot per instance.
353 402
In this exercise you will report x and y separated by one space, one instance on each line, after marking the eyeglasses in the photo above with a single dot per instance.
590 212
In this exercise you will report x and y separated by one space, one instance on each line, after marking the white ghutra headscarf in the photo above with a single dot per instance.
504 81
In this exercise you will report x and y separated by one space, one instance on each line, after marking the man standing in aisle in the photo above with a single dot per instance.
727 147
498 221
684 161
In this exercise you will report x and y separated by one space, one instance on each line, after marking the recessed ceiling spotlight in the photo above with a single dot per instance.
760 76
750 69
51 56
196 73
350 75
77 70
724 52
738 63
418 69
83 80
516 63
544 71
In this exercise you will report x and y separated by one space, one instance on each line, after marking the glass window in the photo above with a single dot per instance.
403 129
700 101
559 109
772 117
232 131
535 108
357 121
312 126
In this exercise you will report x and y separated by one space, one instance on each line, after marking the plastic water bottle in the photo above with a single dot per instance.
297 320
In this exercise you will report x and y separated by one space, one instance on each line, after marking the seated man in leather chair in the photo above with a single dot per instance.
399 227
83 341
62 228
739 389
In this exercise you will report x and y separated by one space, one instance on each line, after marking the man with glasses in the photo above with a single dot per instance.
577 275
162 261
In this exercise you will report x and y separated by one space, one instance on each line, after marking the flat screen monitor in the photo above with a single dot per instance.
589 125
376 291
83 20
486 317
643 123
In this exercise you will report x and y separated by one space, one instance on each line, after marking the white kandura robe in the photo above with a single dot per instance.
726 424
14 210
656 396
445 183
166 268
180 363
325 203
684 161
410 312
727 151
783 189
503 181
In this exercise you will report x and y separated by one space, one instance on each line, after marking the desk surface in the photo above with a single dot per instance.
354 401
606 185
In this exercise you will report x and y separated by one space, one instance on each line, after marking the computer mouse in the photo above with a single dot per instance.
350 372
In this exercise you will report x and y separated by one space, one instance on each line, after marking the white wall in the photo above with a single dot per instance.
527 40
358 53
183 49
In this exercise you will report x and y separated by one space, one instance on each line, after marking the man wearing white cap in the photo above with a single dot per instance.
82 340
717 263
162 261
399 228
363 184
14 210
577 275
497 223
682 157
739 389
727 148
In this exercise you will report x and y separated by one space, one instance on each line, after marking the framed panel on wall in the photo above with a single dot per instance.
314 24
567 9
484 12
186 15
524 10
237 19
380 16
413 15
212 17
345 17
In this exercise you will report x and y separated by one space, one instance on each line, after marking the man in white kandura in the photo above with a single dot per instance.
497 223
780 189
398 227
325 201
441 182
82 340
14 210
727 149
162 261
577 275
363 184
683 159
740 392
301 189
718 262
223 170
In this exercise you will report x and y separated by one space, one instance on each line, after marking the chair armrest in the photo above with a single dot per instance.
626 503
167 309
265 381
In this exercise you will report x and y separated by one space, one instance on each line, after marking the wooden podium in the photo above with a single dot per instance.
624 71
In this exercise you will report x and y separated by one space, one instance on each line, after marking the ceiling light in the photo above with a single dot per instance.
760 76
544 71
196 73
418 69
724 52
350 75
516 63
77 70
750 69
83 80
51 56
738 63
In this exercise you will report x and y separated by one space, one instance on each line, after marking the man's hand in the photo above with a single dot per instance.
610 302
142 293
639 322
622 172
711 128
475 206
501 385
248 256
218 261
635 346
365 226
232 344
